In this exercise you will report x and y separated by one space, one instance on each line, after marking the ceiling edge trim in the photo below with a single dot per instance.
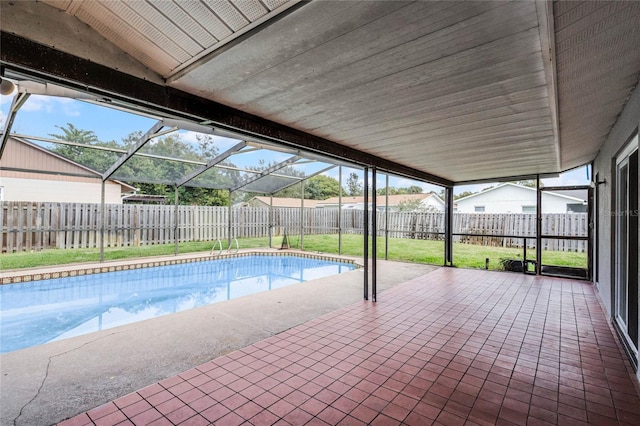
38 61
507 179
546 29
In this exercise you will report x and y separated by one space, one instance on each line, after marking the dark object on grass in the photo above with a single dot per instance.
512 265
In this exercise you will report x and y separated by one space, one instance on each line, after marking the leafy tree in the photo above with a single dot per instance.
73 134
148 174
392 191
318 187
463 194
410 206
321 187
354 187
413 189
531 183
95 159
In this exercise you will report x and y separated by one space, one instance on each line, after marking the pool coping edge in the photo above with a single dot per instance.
64 271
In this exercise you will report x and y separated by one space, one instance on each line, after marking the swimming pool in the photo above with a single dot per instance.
38 312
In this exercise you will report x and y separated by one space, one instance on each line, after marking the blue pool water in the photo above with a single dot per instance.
38 312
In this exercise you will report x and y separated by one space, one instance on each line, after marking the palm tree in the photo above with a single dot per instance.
73 134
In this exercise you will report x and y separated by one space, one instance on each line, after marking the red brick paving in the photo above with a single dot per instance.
454 347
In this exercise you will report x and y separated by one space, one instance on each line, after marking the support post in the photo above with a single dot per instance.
176 227
302 215
374 232
340 210
102 221
271 221
448 227
538 226
386 219
229 221
366 233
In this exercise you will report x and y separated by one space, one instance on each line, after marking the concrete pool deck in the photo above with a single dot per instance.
49 383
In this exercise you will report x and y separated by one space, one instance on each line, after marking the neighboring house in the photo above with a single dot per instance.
428 201
512 198
262 201
60 179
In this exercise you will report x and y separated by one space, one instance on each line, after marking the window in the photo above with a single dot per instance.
528 209
1 193
576 208
478 209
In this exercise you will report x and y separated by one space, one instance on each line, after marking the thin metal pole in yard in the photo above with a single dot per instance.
175 224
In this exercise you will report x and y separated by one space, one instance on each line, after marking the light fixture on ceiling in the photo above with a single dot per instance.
7 87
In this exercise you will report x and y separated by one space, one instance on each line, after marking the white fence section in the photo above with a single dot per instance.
38 226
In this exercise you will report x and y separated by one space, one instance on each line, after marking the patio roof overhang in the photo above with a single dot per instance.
445 92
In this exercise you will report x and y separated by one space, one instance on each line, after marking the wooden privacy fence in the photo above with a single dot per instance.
38 226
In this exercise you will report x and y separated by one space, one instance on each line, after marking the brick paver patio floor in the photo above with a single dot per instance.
453 347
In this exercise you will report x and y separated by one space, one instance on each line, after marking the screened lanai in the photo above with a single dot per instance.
230 162
450 93
179 153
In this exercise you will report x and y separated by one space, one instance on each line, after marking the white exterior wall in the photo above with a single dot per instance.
17 189
628 123
510 199
432 203
622 131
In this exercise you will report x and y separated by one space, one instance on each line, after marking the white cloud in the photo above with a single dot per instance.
220 141
189 136
2 118
52 105
6 100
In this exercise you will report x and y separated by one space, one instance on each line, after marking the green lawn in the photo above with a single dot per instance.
401 249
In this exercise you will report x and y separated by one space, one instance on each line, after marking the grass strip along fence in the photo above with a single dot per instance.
400 249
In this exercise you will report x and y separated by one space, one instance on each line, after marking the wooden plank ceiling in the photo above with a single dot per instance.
462 90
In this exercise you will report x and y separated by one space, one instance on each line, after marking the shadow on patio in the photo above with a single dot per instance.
451 347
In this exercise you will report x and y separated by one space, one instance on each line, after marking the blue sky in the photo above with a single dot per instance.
41 114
